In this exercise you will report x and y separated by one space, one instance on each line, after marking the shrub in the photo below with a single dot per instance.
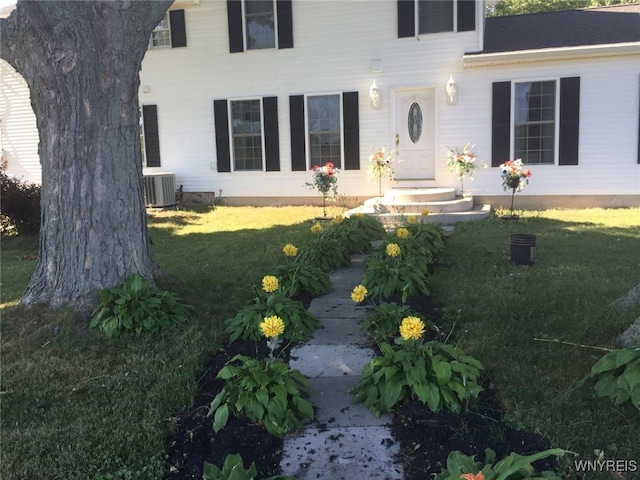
325 253
356 232
233 469
137 306
20 206
296 275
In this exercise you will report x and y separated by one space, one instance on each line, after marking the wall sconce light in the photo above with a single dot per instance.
375 95
452 91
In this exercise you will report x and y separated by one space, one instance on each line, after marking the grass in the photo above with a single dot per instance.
77 406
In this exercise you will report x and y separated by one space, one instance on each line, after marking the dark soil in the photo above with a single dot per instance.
426 438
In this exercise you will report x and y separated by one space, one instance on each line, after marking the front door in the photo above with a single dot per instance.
415 134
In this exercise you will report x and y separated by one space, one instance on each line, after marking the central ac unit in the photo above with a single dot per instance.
159 189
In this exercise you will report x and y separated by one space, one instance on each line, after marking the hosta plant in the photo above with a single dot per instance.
300 323
356 232
267 391
297 275
233 469
137 306
512 467
439 375
430 235
617 376
325 253
394 272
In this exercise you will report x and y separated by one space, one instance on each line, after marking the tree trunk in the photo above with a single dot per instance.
81 61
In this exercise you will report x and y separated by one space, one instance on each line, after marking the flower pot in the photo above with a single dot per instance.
523 248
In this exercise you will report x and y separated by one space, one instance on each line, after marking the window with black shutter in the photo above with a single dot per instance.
151 139
171 32
434 16
257 25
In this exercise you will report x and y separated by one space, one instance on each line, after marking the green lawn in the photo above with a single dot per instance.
77 406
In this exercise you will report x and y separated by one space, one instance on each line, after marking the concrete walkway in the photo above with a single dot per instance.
345 441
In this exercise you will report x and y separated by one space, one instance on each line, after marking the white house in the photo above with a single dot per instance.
241 98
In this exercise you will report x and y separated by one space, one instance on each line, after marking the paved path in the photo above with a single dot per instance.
345 441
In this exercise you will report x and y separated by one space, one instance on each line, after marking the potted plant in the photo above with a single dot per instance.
325 180
463 164
514 178
381 166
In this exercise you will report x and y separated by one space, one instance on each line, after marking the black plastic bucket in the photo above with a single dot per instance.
523 248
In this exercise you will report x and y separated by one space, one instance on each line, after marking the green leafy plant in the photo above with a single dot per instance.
391 271
512 467
137 306
267 391
617 376
325 253
300 323
382 321
297 275
233 469
429 235
437 374
20 209
356 232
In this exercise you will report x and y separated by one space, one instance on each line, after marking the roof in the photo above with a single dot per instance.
570 28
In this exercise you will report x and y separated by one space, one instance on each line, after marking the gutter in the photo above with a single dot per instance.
471 60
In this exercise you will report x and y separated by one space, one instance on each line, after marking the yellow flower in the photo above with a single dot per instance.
424 212
402 233
338 219
316 228
272 326
412 219
393 250
290 250
359 293
471 476
270 283
411 327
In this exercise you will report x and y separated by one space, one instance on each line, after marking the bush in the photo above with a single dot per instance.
20 206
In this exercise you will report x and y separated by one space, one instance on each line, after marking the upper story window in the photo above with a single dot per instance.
534 127
259 24
170 32
417 17
161 35
246 132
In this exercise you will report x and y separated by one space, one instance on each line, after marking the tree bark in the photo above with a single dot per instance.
81 61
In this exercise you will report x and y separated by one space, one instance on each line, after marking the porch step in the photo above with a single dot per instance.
433 205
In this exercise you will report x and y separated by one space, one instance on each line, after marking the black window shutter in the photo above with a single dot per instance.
271 135
234 19
501 123
466 15
285 24
178 29
406 18
296 117
151 136
221 119
569 120
351 124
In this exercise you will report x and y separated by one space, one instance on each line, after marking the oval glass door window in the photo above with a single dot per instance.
414 122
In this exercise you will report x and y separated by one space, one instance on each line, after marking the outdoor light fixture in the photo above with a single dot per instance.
375 96
452 91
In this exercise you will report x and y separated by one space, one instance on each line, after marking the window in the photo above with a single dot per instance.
247 135
535 122
417 17
246 132
161 35
170 32
323 126
259 24
435 16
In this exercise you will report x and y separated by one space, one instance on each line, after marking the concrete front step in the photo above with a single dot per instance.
408 194
478 212
394 205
